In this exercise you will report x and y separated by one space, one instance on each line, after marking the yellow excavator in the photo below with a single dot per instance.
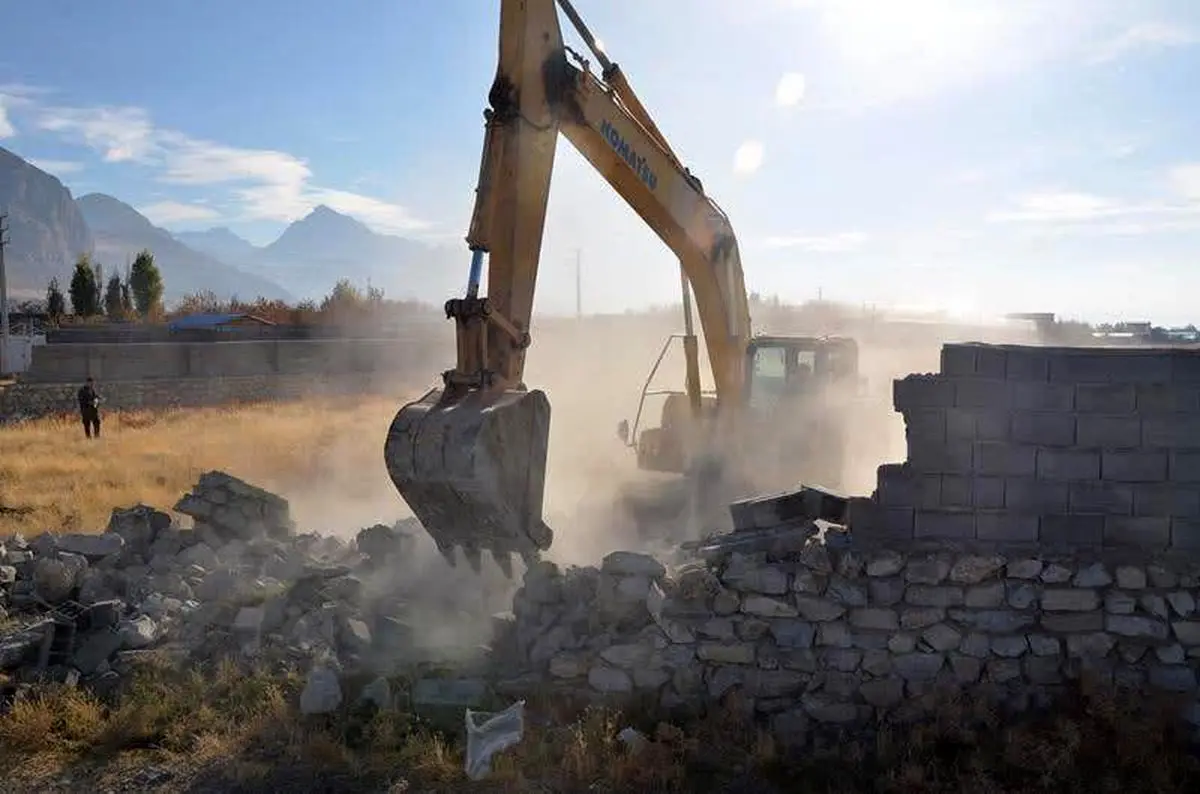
469 458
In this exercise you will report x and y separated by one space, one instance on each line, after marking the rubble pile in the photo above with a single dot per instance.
241 581
837 635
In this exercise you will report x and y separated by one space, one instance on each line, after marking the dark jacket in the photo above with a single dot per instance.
89 400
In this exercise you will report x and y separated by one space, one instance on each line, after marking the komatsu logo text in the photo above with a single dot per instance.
635 161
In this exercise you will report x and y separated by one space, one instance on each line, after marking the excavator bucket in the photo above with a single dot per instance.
473 469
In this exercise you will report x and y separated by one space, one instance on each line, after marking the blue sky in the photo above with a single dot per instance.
975 155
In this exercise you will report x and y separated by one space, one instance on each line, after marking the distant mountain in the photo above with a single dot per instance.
47 232
120 232
316 251
220 243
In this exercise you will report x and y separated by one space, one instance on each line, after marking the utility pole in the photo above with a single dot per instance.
4 367
578 284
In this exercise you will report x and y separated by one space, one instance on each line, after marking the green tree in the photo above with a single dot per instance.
83 289
146 283
56 303
114 307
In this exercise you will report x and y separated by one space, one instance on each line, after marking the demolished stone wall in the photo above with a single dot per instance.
1043 526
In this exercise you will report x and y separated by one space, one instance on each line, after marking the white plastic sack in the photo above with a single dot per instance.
489 733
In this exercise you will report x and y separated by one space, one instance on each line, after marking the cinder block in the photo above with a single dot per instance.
974 424
1133 466
982 393
1110 366
916 392
988 492
1167 398
1039 396
1030 495
1068 464
1166 500
871 520
956 491
1100 497
1071 530
973 359
932 458
998 459
1171 431
928 424
1105 398
951 525
1141 531
1185 534
1184 467
960 424
898 485
1110 431
1006 527
1027 363
1043 428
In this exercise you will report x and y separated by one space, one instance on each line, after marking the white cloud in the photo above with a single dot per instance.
166 212
1185 179
121 134
790 89
264 184
7 130
748 158
1059 206
57 167
838 243
1144 36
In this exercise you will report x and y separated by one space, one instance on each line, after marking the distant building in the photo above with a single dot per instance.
217 322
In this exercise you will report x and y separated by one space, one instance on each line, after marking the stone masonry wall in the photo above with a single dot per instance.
1064 447
28 401
838 635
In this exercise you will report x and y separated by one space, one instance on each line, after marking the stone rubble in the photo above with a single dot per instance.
240 582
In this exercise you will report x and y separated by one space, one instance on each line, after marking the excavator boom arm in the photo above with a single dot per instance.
470 458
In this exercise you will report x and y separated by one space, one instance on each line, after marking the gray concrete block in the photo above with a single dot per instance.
1036 396
956 490
973 359
915 392
1100 497
1111 431
1031 495
1185 534
1006 527
1110 366
1043 428
982 393
1184 467
998 459
1166 500
1138 531
898 485
1068 464
1167 398
1071 530
960 424
1133 466
1171 431
952 525
927 423
933 458
1028 364
1105 398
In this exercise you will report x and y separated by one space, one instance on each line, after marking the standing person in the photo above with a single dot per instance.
89 408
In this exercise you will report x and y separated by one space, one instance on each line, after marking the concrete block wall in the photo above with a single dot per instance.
1008 444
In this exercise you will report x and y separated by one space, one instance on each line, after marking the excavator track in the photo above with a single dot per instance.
472 468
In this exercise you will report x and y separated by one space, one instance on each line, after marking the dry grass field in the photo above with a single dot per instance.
53 478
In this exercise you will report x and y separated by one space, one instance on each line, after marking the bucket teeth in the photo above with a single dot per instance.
503 562
474 558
